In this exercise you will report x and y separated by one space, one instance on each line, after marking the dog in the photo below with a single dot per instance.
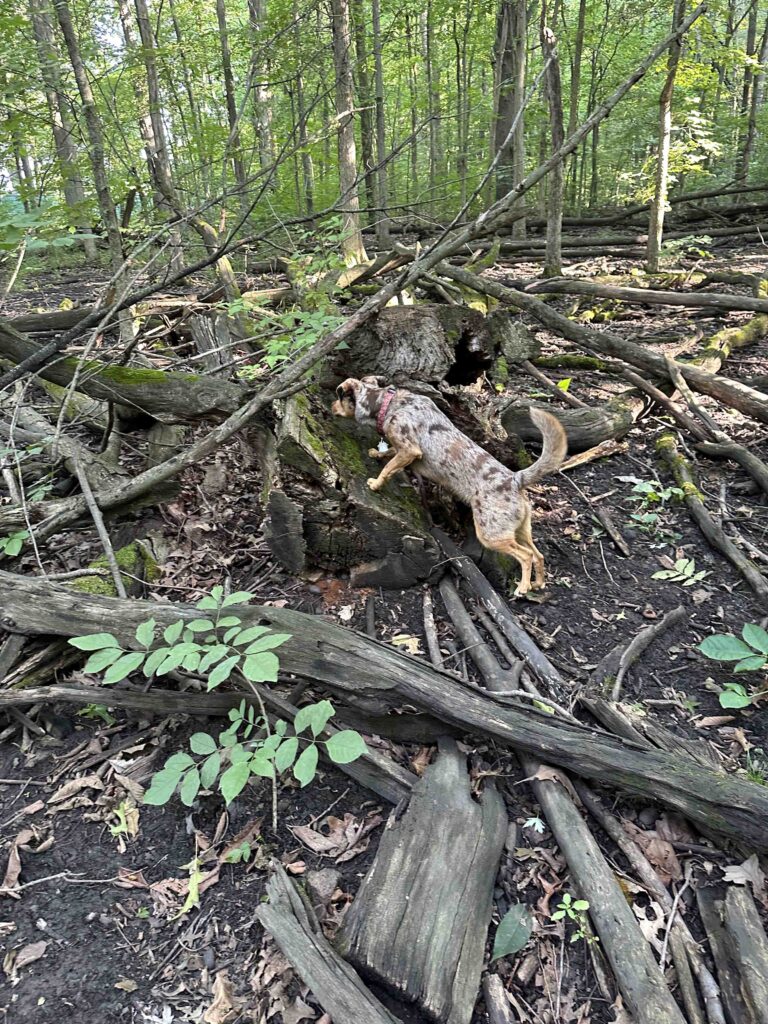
422 437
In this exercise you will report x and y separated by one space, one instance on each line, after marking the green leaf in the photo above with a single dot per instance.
162 787
178 762
93 642
228 620
222 671
514 930
210 770
239 597
724 647
735 697
100 660
202 743
316 716
558 915
286 753
261 668
212 656
753 664
756 637
124 666
190 787
306 766
154 660
345 746
581 905
145 633
270 744
172 633
207 603
200 625
233 781
251 633
262 765
13 546
192 662
565 383
268 643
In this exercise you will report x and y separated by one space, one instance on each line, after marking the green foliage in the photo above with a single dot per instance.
750 654
684 571
514 930
13 543
575 911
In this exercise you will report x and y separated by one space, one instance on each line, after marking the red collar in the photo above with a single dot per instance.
384 408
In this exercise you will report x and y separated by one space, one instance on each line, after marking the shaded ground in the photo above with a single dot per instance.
114 939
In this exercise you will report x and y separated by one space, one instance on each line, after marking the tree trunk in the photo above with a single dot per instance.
352 242
511 28
553 258
364 102
61 122
382 199
308 172
412 188
573 104
659 204
740 174
758 90
234 147
433 100
262 95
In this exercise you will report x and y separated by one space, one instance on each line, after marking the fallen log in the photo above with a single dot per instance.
348 662
585 427
436 863
743 924
332 981
650 296
170 397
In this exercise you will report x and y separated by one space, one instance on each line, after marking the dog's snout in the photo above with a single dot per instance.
340 392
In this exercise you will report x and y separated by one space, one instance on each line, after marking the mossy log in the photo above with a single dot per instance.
168 397
432 343
347 662
585 427
320 510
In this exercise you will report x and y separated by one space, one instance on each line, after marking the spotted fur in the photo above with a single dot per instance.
422 437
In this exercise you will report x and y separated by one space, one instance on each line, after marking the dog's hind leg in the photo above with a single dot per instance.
524 537
508 544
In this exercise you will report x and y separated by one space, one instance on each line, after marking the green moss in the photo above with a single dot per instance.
136 376
572 362
666 443
134 560
691 490
500 373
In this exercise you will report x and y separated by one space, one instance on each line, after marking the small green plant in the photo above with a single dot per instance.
757 766
651 498
684 571
13 543
241 854
100 711
750 652
142 913
576 911
535 823
215 647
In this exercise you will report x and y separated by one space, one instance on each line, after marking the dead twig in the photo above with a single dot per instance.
98 521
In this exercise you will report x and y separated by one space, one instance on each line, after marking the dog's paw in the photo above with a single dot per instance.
373 453
373 484
519 593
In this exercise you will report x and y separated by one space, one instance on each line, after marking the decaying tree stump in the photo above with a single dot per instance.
420 918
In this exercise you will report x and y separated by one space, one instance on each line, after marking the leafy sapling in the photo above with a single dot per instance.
750 654
576 911
683 571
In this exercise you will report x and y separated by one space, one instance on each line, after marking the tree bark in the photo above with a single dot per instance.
556 181
353 247
262 95
659 204
234 146
511 29
758 92
382 195
364 101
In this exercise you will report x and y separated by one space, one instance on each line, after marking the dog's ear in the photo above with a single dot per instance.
374 381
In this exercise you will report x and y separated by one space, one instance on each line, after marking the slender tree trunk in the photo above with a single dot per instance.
758 92
308 172
573 100
511 30
742 164
364 101
462 101
659 203
234 146
556 180
98 162
382 200
433 98
412 189
262 96
352 242
61 123
194 109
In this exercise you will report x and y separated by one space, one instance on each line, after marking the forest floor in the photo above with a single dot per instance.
104 894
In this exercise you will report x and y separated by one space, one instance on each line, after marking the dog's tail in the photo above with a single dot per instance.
552 453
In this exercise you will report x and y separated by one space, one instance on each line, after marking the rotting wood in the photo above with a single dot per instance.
332 981
709 900
167 396
321 651
496 1003
585 427
666 446
652 297
436 863
477 649
615 665
743 925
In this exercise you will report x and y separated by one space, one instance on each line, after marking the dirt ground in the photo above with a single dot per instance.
100 916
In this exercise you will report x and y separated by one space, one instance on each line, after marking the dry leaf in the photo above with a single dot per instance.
128 878
713 720
748 871
296 867
222 1009
69 789
347 837
297 1011
657 849
28 954
30 809
420 762
13 869
126 985
346 613
410 643
547 774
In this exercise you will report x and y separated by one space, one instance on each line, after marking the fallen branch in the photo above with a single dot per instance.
651 297
348 662
618 661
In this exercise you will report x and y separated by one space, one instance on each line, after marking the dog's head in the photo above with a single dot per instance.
358 399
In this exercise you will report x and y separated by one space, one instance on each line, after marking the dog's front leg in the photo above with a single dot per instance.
381 456
403 457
